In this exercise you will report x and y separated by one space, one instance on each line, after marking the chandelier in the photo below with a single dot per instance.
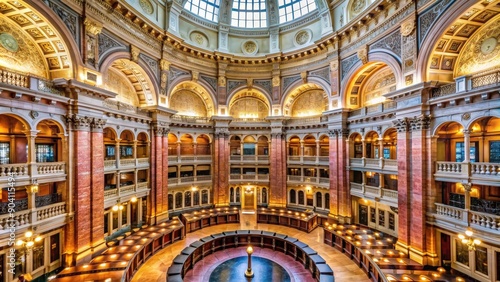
467 239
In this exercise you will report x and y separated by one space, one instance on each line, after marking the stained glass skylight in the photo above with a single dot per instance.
249 13
206 9
293 9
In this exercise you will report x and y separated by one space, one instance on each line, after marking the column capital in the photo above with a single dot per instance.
421 122
79 122
401 124
98 124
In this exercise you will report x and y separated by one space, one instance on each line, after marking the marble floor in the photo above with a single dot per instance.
155 268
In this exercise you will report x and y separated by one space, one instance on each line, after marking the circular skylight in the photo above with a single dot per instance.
252 13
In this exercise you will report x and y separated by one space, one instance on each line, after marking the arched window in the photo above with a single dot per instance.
293 197
237 195
231 195
319 199
301 197
196 198
264 195
327 201
204 197
187 199
170 201
178 200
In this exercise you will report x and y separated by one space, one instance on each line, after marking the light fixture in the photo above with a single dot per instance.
34 186
29 240
115 208
194 188
133 199
467 239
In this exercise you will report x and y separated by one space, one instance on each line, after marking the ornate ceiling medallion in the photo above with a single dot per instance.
9 42
302 37
146 6
199 38
249 47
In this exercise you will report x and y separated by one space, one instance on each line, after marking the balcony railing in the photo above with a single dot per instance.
247 158
39 170
387 164
477 220
463 171
372 192
323 160
321 181
28 217
372 109
250 177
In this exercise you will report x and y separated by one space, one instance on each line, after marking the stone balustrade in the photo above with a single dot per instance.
489 223
467 171
386 164
372 192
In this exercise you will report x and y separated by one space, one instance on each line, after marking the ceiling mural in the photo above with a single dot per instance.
46 38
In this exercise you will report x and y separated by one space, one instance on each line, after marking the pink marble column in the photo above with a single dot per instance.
221 168
403 154
334 168
97 202
277 171
343 178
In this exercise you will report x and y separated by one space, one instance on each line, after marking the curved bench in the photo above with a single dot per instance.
189 256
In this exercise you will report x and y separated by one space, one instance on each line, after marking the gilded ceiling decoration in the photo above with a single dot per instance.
310 103
48 41
138 79
444 64
378 84
482 51
192 88
249 107
187 102
115 81
19 52
291 99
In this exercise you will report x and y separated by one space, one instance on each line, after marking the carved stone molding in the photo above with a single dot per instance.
276 81
221 132
134 53
363 54
78 122
160 130
334 66
303 75
407 27
420 123
342 132
222 81
194 76
332 133
92 27
98 124
164 65
401 124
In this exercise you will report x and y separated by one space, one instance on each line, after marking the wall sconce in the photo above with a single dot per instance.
467 239
133 199
249 190
194 188
29 240
34 186
308 189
